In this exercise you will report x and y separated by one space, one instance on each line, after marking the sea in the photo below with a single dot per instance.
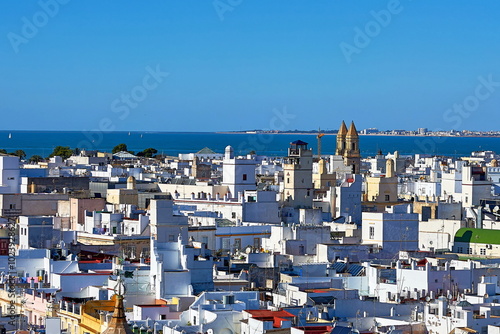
172 143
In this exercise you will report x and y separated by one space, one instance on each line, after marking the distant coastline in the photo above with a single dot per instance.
462 135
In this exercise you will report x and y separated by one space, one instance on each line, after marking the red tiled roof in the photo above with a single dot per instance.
269 314
317 329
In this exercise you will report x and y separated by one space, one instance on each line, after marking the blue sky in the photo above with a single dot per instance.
242 64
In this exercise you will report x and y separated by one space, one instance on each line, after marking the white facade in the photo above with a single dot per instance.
251 206
36 232
176 268
475 185
10 181
296 239
238 174
215 312
392 231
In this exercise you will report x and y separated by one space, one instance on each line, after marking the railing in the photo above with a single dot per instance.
10 212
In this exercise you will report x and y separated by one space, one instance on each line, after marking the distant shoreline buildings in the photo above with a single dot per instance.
420 132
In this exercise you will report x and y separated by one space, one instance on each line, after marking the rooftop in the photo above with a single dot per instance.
478 236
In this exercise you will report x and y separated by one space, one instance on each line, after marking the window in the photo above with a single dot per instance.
171 237
244 177
482 251
387 198
460 249
237 243
469 250
372 232
287 180
256 242
233 215
225 243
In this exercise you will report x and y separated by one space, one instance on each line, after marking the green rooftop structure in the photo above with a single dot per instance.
478 236
205 150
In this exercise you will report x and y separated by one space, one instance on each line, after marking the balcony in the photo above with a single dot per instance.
10 212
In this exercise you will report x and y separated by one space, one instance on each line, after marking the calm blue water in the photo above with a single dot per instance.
172 143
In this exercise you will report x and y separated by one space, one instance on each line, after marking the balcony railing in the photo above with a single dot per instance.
10 212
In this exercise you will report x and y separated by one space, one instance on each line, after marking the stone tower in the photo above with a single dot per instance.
348 146
341 140
297 169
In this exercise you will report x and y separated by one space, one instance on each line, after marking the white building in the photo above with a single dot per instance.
471 313
215 312
296 239
10 181
36 232
238 174
393 230
176 268
475 185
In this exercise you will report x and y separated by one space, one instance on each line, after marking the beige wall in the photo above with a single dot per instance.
78 207
122 196
377 188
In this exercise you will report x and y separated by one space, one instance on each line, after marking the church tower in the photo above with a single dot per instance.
348 147
297 169
118 323
341 140
352 156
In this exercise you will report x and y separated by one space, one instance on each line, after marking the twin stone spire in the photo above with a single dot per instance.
348 146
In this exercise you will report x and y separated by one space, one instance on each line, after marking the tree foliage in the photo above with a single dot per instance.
119 148
148 153
20 153
62 151
36 158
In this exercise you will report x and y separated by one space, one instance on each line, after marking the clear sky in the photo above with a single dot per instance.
204 65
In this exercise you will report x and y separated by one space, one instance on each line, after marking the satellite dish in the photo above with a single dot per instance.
248 250
486 295
427 299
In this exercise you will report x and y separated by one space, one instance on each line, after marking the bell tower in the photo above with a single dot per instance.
341 137
351 154
298 186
